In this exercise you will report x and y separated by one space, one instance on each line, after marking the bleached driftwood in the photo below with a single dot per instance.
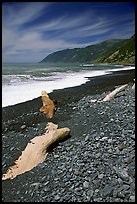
133 87
36 151
110 95
115 92
48 107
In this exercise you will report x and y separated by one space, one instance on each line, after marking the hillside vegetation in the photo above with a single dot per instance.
109 51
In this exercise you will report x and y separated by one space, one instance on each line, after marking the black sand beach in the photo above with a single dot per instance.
95 163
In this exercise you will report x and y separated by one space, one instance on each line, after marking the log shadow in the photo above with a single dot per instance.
56 143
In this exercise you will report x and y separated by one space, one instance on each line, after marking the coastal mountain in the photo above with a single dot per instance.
109 51
124 54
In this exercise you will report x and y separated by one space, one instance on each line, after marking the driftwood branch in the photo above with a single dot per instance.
115 92
36 151
111 95
133 87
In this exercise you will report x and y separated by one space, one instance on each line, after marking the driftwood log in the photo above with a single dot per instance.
36 150
115 92
49 106
111 95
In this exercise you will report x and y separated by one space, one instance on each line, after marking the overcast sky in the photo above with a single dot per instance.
32 30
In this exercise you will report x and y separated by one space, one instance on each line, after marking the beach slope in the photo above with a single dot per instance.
95 163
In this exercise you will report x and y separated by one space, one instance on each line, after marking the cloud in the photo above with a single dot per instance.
23 13
25 36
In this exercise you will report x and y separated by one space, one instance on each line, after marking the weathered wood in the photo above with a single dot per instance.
133 87
110 95
36 151
48 107
115 92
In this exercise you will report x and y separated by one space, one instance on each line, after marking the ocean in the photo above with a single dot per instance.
23 82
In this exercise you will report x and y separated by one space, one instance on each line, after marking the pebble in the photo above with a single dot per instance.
90 193
103 138
37 185
98 155
120 180
41 165
100 176
133 137
120 195
107 191
109 150
97 145
121 146
23 127
96 190
56 156
87 138
12 148
86 184
18 192
97 199
132 198
57 197
122 173
80 169
126 187
93 100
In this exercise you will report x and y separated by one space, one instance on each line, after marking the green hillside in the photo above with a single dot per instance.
110 51
124 54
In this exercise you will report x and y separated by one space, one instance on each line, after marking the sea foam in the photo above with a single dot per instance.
22 91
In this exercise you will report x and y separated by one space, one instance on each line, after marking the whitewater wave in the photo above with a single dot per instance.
21 88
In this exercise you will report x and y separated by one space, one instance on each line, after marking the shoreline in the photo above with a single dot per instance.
77 169
97 84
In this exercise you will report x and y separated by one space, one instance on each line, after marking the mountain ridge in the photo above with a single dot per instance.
109 51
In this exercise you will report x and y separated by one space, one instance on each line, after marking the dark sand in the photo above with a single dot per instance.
96 85
59 178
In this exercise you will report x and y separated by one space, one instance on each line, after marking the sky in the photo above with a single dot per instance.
33 30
